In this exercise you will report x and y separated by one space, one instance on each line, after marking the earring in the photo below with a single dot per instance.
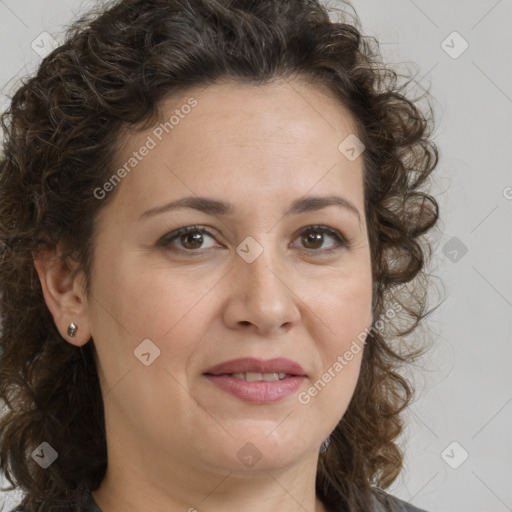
72 328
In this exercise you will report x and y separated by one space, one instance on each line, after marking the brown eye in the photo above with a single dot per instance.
313 241
313 237
188 239
191 240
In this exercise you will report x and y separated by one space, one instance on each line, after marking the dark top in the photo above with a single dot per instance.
87 503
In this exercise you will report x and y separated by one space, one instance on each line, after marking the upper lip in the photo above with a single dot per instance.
251 364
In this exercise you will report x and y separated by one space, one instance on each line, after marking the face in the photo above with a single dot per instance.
264 273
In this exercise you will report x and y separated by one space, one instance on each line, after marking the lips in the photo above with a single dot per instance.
253 365
257 381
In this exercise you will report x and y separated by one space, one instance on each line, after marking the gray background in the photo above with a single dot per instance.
464 388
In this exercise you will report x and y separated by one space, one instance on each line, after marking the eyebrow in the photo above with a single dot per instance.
212 206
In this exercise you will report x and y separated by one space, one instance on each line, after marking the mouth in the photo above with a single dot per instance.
257 381
256 376
252 369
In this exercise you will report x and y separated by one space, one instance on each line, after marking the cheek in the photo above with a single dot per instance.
344 304
342 317
147 300
152 304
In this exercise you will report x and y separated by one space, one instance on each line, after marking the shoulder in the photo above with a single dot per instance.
385 502
84 503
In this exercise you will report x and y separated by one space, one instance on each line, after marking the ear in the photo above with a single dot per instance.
64 294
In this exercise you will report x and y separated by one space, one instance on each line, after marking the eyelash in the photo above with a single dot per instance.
341 241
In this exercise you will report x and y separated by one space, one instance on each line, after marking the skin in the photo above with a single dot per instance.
172 436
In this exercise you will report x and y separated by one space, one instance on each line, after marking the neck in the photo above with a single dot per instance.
160 486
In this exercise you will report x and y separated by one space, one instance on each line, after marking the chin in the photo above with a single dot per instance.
252 449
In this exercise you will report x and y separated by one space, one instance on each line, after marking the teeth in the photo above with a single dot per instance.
254 376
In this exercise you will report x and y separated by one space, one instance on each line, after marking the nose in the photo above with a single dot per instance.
261 297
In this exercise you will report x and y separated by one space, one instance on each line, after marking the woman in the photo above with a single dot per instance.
211 218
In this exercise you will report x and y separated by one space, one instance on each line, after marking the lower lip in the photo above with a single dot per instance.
257 392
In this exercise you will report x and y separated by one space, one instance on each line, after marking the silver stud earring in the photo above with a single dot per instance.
72 328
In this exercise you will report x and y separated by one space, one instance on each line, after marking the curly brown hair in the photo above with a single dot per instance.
112 73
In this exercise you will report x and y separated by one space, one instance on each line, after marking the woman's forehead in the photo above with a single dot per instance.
282 139
294 100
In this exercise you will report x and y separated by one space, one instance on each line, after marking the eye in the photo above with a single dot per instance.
313 237
190 238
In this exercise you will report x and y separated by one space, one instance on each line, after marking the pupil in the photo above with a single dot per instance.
314 239
198 239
